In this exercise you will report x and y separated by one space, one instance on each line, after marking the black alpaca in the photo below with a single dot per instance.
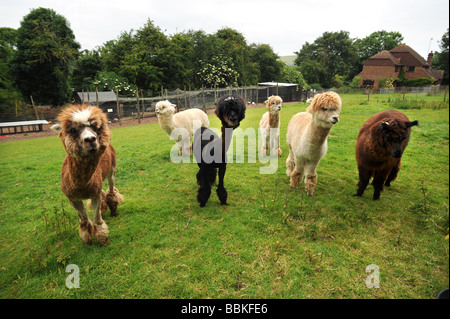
210 150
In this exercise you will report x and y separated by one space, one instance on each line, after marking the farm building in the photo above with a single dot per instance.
107 101
288 91
388 64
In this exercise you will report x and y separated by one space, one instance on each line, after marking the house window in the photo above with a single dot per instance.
410 69
398 68
368 82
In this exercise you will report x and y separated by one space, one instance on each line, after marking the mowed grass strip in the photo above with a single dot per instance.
271 241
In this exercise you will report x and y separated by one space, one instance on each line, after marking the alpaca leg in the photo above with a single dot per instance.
221 191
279 146
296 177
364 177
85 228
378 182
311 178
100 228
113 197
290 164
204 177
392 175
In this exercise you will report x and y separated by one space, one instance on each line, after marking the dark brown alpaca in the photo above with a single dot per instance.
379 149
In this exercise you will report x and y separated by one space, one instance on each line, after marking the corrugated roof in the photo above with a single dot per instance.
92 96
276 84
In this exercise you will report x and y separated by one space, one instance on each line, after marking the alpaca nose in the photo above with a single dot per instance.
335 119
90 139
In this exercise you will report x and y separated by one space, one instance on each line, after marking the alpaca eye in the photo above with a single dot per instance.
324 109
73 131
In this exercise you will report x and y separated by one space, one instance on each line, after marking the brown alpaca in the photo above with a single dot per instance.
379 149
90 159
271 120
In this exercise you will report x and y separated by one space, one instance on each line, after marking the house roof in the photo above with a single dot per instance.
384 55
407 55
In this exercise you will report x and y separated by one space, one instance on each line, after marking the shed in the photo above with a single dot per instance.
91 97
287 91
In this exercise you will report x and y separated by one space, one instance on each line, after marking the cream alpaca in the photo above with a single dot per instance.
307 136
271 120
90 159
169 120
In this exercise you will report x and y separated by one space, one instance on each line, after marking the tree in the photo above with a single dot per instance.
218 72
440 61
331 54
8 40
43 62
291 74
268 64
86 69
376 42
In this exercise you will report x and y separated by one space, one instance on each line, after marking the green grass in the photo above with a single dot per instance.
270 242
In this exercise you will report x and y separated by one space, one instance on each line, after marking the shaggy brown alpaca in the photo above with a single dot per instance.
90 159
379 149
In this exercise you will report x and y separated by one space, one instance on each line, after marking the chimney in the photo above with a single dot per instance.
430 58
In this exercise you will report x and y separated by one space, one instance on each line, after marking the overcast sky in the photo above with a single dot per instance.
283 24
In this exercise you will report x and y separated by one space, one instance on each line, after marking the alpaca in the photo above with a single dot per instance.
90 159
210 150
271 120
307 136
381 142
169 120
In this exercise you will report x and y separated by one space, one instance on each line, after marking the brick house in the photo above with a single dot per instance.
387 64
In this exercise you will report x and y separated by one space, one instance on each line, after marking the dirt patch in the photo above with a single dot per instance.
46 131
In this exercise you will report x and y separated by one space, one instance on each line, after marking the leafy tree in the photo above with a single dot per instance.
292 74
109 81
87 67
331 54
376 42
46 51
218 72
268 64
8 40
440 61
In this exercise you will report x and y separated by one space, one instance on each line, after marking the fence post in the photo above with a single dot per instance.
445 93
137 104
96 95
34 107
203 98
185 98
118 106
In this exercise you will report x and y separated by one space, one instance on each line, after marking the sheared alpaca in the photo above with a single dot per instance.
381 142
210 151
307 136
271 120
169 120
90 159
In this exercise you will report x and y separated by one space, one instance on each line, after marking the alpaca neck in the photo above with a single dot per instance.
274 119
227 136
166 123
81 171
319 133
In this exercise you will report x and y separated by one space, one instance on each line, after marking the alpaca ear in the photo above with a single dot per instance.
385 125
267 103
56 128
409 124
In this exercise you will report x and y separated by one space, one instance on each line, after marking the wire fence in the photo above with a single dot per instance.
139 107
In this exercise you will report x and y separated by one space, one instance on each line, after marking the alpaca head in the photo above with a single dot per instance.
164 108
395 134
274 104
231 111
325 109
84 131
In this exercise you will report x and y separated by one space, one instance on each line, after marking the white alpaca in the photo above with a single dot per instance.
271 120
307 135
169 120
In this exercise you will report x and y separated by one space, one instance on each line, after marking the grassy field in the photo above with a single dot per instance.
270 242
